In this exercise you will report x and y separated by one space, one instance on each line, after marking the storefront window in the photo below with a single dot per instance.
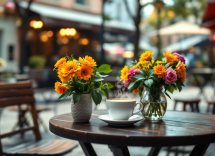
81 2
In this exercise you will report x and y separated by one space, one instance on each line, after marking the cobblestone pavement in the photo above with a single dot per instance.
9 118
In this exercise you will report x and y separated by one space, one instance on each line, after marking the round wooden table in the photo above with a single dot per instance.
177 128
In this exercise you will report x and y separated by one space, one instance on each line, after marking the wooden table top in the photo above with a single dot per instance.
177 128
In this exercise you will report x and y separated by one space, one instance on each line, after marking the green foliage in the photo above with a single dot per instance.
37 61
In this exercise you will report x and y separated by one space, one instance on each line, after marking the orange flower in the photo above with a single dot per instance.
60 62
135 91
60 88
124 73
159 70
170 57
89 61
181 71
69 70
86 72
147 56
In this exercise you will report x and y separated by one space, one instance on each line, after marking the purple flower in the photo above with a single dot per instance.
170 76
180 57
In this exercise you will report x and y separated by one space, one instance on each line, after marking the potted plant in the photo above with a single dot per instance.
84 82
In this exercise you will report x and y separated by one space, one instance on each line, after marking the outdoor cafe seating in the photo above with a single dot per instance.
19 94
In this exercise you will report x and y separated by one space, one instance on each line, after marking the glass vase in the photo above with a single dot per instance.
154 103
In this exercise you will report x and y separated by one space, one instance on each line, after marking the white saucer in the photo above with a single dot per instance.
133 119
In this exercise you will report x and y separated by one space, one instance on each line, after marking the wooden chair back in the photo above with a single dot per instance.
18 94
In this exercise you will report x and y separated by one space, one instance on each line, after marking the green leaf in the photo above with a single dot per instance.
132 86
167 95
179 82
105 92
97 79
179 86
94 70
155 77
149 82
66 84
167 65
140 90
143 73
105 68
171 88
97 85
63 96
76 97
159 58
97 98
109 86
151 72
103 75
72 58
136 77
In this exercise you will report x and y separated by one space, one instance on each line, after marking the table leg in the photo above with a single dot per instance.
87 149
154 151
199 150
119 150
200 87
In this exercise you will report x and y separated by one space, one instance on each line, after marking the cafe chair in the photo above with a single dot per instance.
22 93
193 102
211 103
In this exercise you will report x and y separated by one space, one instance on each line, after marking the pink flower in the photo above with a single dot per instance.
170 76
180 57
132 72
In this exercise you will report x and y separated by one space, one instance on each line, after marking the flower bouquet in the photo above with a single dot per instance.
83 80
154 78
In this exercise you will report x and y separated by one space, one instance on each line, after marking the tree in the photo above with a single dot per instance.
136 19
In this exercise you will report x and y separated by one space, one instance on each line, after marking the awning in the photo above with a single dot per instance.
55 15
208 20
209 12
186 43
181 28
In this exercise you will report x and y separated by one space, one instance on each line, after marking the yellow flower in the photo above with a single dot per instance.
147 56
159 70
2 63
170 57
69 70
135 91
181 71
60 62
160 62
86 72
144 65
60 88
124 73
89 61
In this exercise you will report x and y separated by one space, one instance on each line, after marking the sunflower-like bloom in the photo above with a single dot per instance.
147 56
89 61
170 57
159 70
60 62
69 70
181 71
135 91
86 72
60 88
144 65
124 73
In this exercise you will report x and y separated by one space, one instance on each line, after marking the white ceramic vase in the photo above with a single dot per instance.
82 110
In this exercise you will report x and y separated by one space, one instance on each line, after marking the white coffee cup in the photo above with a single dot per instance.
122 109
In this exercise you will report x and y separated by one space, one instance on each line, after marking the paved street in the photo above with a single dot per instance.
9 118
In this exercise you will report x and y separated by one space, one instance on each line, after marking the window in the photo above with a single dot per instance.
81 2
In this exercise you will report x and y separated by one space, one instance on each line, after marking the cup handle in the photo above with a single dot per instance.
141 107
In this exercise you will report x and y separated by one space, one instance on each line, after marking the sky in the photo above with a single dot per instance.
148 9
